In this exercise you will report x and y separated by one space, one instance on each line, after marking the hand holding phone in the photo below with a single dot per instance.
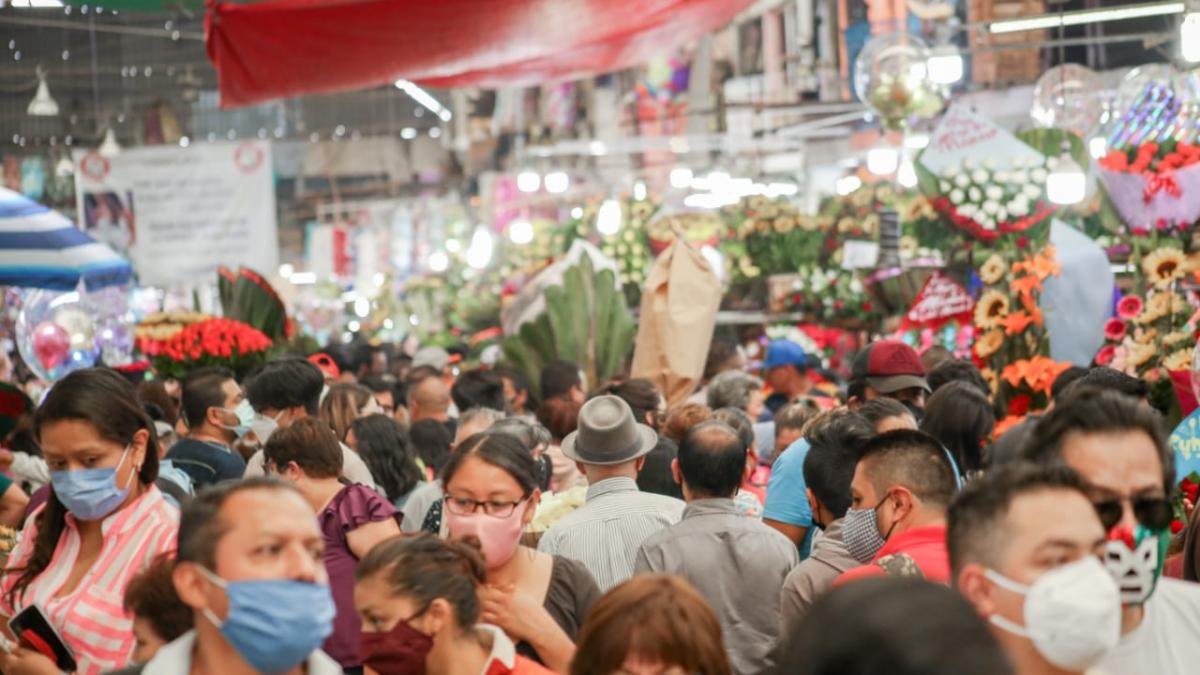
33 630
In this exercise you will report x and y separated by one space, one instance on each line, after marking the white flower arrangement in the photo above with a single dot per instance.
994 193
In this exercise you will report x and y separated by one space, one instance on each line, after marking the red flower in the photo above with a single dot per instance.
1115 330
1022 242
1019 405
1176 526
867 307
1105 355
1129 307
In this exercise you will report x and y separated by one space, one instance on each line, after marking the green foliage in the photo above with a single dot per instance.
585 322
247 297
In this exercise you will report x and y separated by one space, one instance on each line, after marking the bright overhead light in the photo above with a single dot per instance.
453 245
425 99
353 326
1098 147
597 148
847 184
303 278
577 212
883 160
479 253
362 307
1066 183
35 4
408 133
184 141
608 219
906 176
42 105
945 65
1086 16
1189 37
639 191
557 182
438 261
109 147
916 141
528 181
520 231
782 189
681 177
286 270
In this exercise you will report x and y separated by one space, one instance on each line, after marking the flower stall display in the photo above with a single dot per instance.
162 326
1154 186
211 342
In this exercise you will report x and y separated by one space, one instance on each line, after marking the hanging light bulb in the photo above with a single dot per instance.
42 105
109 147
557 182
883 160
608 219
1189 36
65 168
945 65
847 184
528 181
906 176
639 191
520 231
479 253
1098 147
438 261
681 177
1066 183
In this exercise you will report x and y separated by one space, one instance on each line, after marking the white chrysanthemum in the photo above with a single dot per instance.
974 194
1038 175
962 180
991 208
1032 192
994 192
956 196
980 176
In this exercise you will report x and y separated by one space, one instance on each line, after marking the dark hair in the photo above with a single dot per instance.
712 460
154 391
559 378
739 421
833 451
957 370
519 382
961 418
478 389
1109 379
720 353
341 406
200 525
108 403
883 408
431 439
378 384
384 447
1191 548
151 596
290 382
913 459
654 617
656 476
364 355
976 519
501 451
681 419
892 626
1065 379
425 567
933 357
642 395
793 416
202 389
560 416
308 443
1085 410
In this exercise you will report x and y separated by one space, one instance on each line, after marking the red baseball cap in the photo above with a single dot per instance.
327 365
889 366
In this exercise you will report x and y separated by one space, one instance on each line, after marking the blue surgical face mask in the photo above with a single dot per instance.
91 494
274 624
245 415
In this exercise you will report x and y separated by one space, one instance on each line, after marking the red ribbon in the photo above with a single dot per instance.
1158 182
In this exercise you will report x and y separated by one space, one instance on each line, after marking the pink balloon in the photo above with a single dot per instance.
51 344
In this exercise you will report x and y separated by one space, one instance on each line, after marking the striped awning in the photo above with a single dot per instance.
40 248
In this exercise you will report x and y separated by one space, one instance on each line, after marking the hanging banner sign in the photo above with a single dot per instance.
180 213
940 300
1185 443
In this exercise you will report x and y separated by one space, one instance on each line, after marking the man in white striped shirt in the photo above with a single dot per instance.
605 533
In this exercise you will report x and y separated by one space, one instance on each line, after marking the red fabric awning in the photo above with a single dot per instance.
281 48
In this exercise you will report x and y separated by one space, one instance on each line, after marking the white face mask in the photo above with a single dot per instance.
1072 613
264 426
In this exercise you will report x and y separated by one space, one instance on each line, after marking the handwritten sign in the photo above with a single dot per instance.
964 134
940 300
857 254
1185 443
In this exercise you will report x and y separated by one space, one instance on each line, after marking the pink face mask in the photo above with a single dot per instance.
498 536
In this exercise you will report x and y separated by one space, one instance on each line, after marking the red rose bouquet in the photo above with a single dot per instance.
212 342
1151 185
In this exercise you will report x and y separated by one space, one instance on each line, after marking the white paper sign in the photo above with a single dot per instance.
858 254
179 213
963 134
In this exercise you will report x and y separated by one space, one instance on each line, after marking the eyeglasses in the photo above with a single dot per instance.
460 506
1153 513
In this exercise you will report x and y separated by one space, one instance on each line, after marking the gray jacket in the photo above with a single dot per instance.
814 577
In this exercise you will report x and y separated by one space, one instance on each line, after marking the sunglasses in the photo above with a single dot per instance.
1153 513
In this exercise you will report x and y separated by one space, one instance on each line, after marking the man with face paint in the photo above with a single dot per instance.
1118 447
286 390
217 415
891 369
1038 580
896 523
257 586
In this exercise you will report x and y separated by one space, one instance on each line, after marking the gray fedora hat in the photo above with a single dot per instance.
608 434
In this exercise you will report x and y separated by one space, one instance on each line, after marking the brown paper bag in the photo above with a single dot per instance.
679 310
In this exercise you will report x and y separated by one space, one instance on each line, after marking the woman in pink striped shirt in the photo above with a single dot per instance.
103 523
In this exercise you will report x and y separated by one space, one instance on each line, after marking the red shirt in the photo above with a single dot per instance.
926 546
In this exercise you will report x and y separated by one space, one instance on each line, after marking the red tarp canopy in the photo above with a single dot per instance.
281 48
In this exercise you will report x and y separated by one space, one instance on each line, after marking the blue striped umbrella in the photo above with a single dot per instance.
40 248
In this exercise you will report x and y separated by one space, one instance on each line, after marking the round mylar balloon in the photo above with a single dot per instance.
57 333
1068 97
891 76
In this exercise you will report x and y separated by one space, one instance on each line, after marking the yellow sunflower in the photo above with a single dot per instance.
870 224
991 310
992 270
809 223
845 224
1179 360
1164 265
1162 304
1171 339
990 377
989 343
1138 355
784 224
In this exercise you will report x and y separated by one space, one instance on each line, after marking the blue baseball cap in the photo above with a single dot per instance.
784 353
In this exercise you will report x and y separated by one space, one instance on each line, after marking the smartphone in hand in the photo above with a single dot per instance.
33 630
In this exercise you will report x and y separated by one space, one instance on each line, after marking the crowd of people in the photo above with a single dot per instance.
403 516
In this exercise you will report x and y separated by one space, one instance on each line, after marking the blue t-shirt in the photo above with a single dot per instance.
787 494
